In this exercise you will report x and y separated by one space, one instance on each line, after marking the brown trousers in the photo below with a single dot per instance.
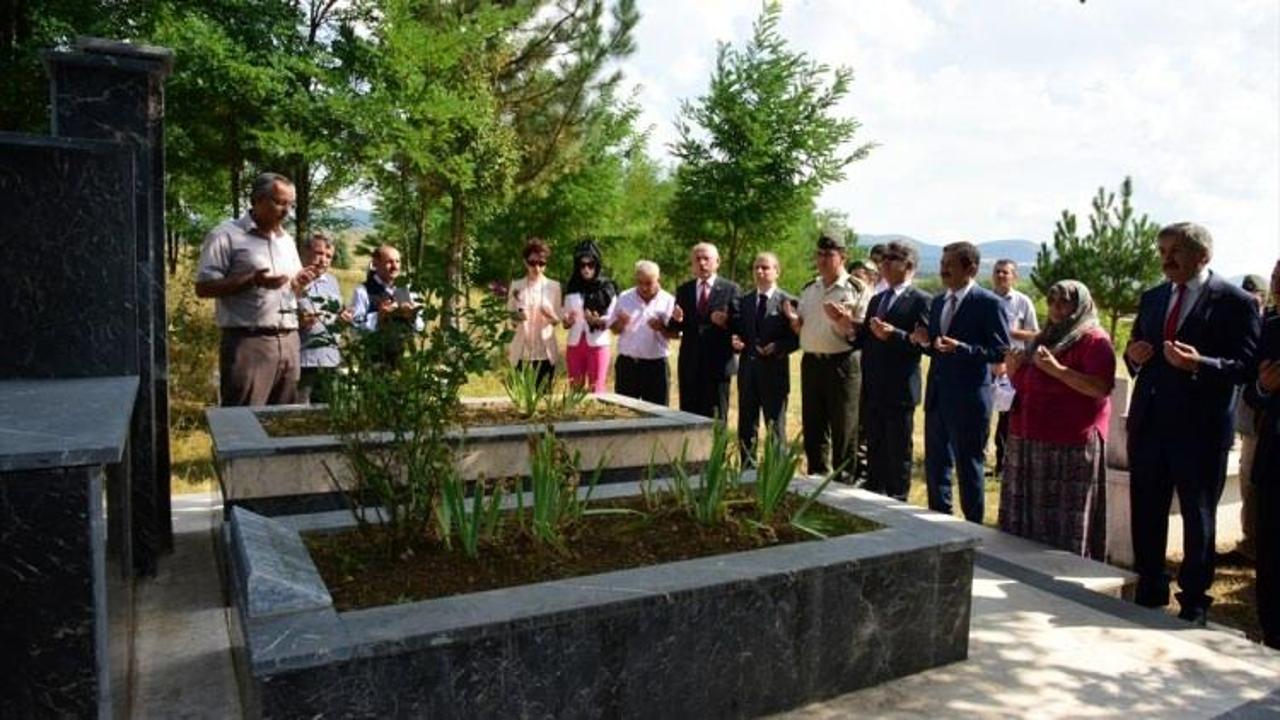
258 368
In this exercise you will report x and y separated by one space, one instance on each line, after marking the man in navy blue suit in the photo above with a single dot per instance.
891 372
967 333
1194 340
763 337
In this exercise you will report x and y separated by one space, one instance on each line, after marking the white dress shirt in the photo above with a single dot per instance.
638 340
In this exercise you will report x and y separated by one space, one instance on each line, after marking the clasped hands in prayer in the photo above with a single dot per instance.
943 343
1043 358
1178 354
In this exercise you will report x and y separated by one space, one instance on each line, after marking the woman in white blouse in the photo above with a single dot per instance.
588 303
534 302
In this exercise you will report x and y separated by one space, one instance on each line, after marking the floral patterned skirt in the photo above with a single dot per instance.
1056 494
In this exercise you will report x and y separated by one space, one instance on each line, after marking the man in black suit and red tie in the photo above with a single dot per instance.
706 361
891 372
1194 340
763 337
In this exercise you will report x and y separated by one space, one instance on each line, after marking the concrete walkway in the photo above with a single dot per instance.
1048 640
181 643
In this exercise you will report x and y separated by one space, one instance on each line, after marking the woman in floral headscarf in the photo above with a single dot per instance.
1054 488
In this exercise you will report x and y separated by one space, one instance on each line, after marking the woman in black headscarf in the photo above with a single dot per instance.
588 302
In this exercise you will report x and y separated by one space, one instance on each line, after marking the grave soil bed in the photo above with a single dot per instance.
302 423
359 573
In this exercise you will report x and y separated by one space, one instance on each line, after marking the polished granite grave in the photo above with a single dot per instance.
66 587
289 475
735 635
114 91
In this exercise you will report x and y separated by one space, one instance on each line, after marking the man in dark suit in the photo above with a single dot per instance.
1263 396
1194 340
764 338
891 372
967 333
706 353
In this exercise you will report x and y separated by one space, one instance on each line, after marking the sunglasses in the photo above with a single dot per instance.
587 263
535 262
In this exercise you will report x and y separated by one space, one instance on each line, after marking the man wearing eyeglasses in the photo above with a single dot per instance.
250 266
891 372
828 319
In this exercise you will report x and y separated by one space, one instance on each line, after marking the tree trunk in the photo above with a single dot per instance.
1115 320
236 187
302 211
235 168
171 246
455 268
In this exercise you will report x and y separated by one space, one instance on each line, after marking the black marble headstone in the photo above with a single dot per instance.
115 91
66 585
67 276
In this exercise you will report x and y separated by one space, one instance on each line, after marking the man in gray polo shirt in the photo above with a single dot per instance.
251 267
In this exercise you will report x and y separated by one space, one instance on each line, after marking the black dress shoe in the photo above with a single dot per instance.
1197 616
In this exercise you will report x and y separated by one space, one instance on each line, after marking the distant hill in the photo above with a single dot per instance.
360 218
1020 251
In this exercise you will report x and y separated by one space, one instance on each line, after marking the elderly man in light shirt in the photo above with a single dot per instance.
250 266
319 308
640 319
1020 313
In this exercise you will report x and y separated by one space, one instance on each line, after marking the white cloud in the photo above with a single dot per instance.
994 116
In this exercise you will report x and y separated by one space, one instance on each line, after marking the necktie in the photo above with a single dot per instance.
1171 321
762 303
704 297
948 312
884 306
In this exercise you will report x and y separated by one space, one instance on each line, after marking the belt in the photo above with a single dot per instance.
828 356
258 331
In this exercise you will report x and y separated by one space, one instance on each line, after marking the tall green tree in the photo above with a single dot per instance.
1116 258
756 150
482 99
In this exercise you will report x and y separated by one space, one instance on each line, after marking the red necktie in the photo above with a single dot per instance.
704 298
1171 321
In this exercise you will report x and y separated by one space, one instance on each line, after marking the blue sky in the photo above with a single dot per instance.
994 115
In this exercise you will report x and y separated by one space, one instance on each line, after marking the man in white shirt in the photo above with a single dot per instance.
1020 313
640 319
251 267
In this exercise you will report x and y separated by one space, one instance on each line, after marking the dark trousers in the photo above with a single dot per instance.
959 438
705 396
647 380
829 390
1267 544
313 385
861 463
546 370
762 387
1161 464
1002 437
890 443
258 367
